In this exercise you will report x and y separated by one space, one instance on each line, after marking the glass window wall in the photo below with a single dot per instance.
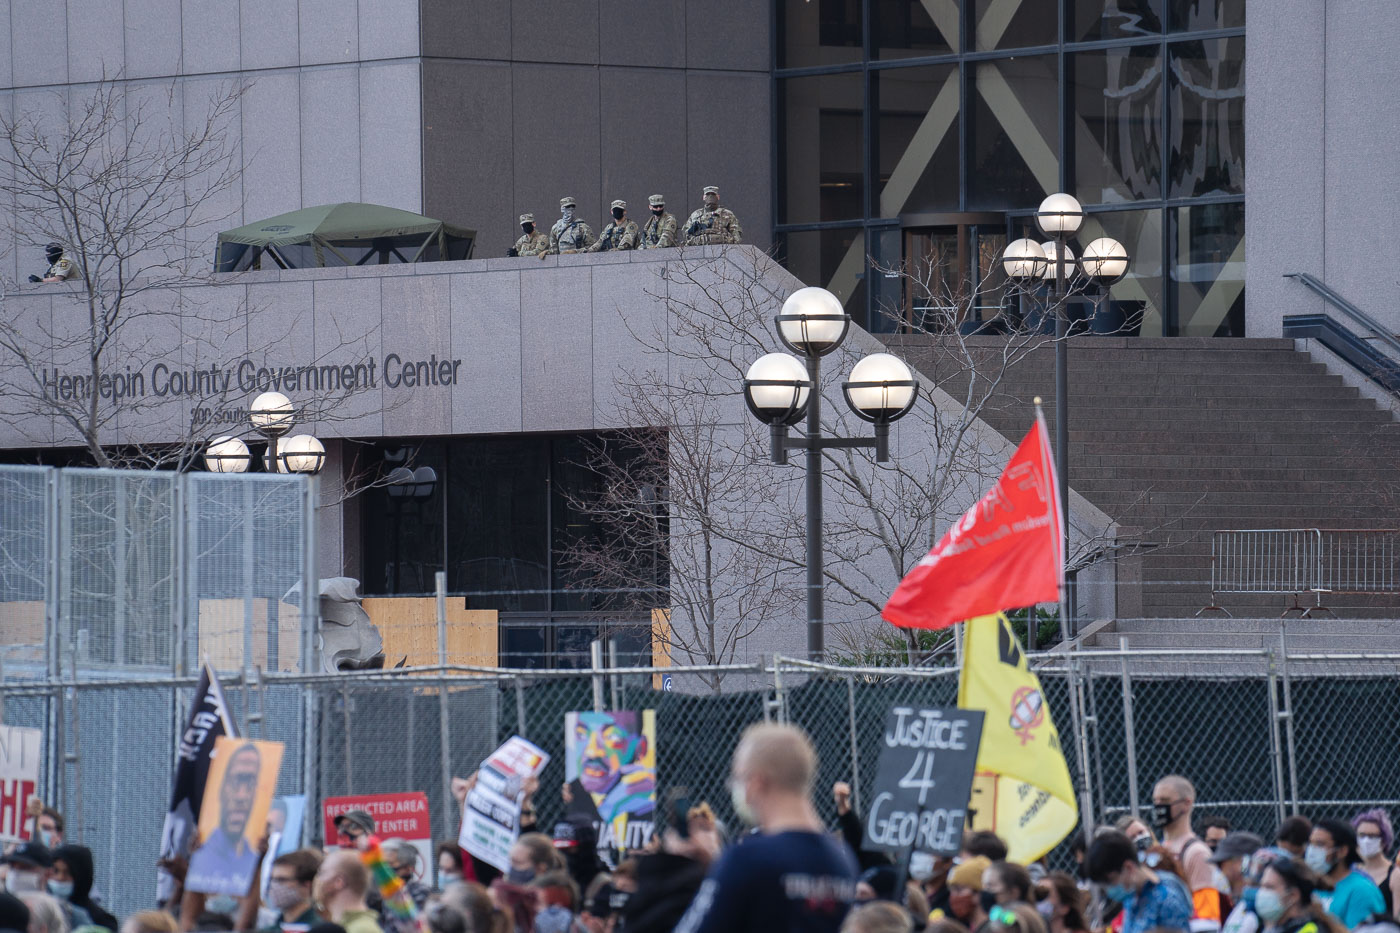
1206 113
1116 119
823 129
1014 134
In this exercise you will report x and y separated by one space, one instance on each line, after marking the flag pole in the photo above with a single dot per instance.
1060 531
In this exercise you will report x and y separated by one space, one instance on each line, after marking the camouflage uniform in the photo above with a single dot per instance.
569 236
531 244
712 226
660 231
620 234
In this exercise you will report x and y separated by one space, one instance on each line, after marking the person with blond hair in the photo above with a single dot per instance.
792 875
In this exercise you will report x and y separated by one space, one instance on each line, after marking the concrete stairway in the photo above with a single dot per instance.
1182 437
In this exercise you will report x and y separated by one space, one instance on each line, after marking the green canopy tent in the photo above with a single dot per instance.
341 235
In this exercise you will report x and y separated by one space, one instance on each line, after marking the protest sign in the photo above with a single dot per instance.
927 756
396 816
285 820
233 815
19 779
610 764
491 817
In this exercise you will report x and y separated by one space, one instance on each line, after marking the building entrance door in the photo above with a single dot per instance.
952 272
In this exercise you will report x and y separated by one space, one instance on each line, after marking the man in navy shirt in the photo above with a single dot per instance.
792 876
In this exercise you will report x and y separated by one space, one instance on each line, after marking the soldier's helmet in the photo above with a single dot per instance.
657 200
567 202
527 218
711 189
621 204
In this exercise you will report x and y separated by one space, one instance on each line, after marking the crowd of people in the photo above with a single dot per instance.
784 871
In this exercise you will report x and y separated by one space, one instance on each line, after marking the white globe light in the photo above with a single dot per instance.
272 413
890 394
301 453
812 321
1050 264
1105 259
227 455
786 399
1024 259
1059 214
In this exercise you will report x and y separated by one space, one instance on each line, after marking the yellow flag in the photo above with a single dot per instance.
1022 790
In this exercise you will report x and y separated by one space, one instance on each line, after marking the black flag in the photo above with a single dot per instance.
208 720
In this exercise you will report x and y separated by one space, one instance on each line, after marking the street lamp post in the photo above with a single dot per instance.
272 416
1105 261
780 390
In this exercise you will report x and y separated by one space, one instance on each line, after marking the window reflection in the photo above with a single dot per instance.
917 136
1206 14
819 32
1208 270
1117 101
1115 19
822 132
905 28
1206 107
1014 24
1134 306
1014 132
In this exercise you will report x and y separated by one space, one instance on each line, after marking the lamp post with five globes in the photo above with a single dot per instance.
780 390
1104 262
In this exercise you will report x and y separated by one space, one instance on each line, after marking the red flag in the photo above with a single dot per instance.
1006 552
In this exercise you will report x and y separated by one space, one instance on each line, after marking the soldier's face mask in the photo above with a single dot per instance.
617 213
711 201
53 255
659 210
569 213
528 228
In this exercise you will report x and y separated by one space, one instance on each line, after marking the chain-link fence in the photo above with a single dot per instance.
1260 734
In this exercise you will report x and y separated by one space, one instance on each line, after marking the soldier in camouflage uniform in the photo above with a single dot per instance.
533 242
620 234
568 235
660 231
712 223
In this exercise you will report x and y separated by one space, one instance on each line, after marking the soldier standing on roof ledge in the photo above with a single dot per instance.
620 234
712 223
569 234
533 242
660 231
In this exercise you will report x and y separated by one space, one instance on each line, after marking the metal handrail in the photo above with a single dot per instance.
1347 308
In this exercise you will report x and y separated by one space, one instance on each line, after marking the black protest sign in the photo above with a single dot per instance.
927 758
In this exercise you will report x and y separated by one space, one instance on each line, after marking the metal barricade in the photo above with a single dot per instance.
1298 561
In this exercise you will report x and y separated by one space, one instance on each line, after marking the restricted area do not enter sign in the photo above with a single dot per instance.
927 759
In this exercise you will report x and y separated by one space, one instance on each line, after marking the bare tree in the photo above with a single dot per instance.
132 181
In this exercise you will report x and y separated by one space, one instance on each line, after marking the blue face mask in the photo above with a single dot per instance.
1116 892
61 889
1249 895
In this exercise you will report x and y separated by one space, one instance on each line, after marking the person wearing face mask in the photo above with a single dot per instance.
660 230
451 868
71 880
1005 883
1331 854
712 223
532 242
965 893
28 868
1173 799
1244 918
1150 900
1285 901
289 891
791 875
620 234
569 234
340 887
1374 837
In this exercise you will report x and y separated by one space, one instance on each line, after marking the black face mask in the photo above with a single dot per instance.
528 228
617 213
1162 815
53 256
658 211
988 899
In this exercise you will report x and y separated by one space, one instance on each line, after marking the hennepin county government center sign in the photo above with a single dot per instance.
245 376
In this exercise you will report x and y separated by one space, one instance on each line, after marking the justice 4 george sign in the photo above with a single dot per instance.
924 781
